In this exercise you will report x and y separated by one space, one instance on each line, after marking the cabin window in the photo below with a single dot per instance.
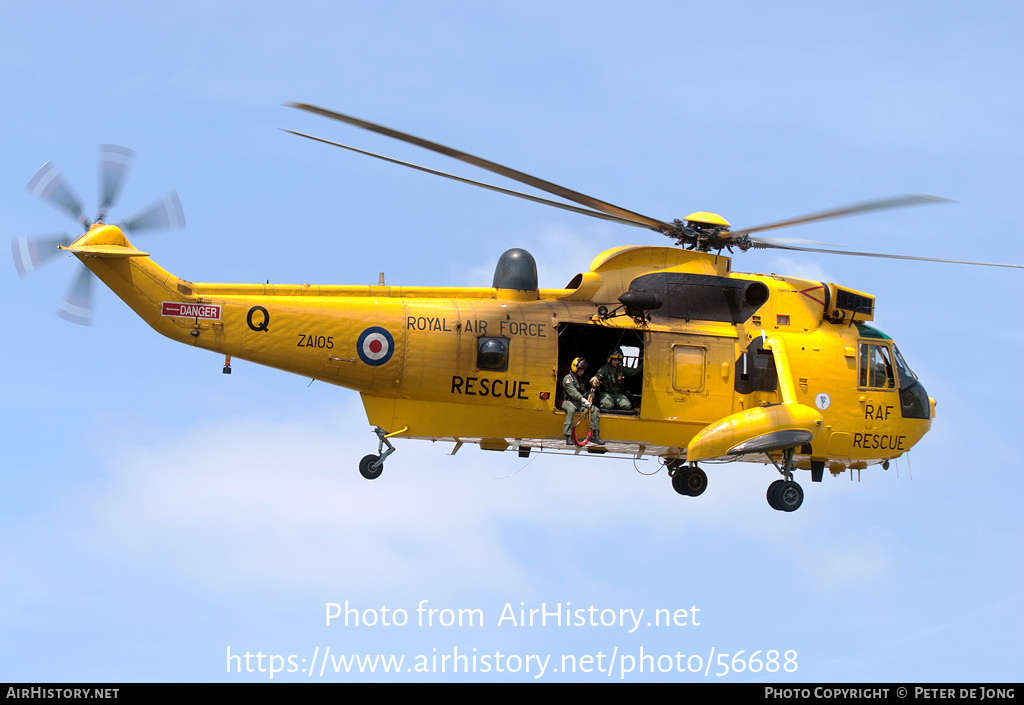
763 375
630 356
755 369
876 369
688 368
492 354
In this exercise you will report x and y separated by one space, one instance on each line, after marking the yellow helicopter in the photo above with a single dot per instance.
715 365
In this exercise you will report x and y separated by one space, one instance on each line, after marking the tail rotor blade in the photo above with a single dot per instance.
114 164
165 213
48 184
31 252
77 304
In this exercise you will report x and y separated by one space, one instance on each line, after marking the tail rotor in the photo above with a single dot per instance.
49 184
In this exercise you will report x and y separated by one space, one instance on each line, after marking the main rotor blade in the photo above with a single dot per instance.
780 241
481 184
114 164
48 184
31 252
165 213
77 304
884 256
852 209
493 167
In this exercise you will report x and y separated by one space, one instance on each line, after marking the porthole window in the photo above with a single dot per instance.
492 354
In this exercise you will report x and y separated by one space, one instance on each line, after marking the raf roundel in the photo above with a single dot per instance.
375 346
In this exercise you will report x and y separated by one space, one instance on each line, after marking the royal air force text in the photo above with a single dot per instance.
477 326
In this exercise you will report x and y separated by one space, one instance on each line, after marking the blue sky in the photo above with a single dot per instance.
155 514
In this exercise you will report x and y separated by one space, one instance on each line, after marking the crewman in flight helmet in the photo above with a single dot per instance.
611 380
574 388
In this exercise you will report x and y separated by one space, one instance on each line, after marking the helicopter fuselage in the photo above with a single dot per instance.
731 366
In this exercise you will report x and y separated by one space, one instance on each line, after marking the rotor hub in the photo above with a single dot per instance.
706 232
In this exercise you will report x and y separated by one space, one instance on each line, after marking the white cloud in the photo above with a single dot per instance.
281 503
801 267
561 251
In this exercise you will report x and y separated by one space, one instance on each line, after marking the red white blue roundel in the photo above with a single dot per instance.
375 346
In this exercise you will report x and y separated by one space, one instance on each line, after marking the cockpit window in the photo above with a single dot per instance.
905 373
876 370
877 360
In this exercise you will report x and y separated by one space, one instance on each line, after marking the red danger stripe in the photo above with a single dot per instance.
206 311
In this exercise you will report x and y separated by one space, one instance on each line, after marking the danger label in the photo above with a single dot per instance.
184 310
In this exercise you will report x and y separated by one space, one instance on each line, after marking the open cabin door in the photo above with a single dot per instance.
594 342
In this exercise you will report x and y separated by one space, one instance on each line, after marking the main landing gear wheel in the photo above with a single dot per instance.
785 495
690 481
366 468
